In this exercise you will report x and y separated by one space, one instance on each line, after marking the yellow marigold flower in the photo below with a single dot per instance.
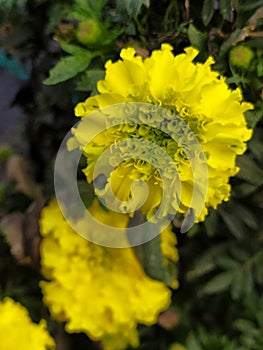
17 331
101 291
204 103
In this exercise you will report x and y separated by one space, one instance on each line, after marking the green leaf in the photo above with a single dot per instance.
243 190
246 216
131 7
196 37
232 221
192 343
206 263
208 11
256 146
226 9
211 222
88 81
260 68
249 171
74 50
219 283
85 9
67 68
86 192
151 257
253 117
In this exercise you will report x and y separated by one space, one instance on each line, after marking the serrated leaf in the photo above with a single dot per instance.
219 283
208 10
226 9
196 37
131 7
67 68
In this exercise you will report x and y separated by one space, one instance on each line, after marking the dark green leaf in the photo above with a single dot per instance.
253 117
67 68
208 11
260 68
219 283
243 190
152 260
249 171
87 9
131 7
246 216
74 50
192 343
196 37
233 222
211 222
88 81
226 9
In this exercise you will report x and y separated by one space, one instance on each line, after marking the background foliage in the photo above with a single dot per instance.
58 50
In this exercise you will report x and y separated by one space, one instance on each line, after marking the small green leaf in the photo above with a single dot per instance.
226 9
88 81
192 343
87 9
196 37
249 171
260 68
232 222
150 254
253 117
74 50
208 11
68 67
211 222
131 7
219 283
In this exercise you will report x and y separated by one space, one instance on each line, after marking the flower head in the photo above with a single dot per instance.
101 291
187 111
18 331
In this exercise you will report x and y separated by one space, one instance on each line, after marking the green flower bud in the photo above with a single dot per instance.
89 32
177 346
241 57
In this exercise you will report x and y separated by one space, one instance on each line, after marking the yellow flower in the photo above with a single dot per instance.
18 331
101 291
207 111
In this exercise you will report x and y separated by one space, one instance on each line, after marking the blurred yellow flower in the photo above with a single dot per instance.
101 291
204 104
17 331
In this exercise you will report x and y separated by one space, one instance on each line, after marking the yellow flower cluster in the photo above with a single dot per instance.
17 331
204 103
101 291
